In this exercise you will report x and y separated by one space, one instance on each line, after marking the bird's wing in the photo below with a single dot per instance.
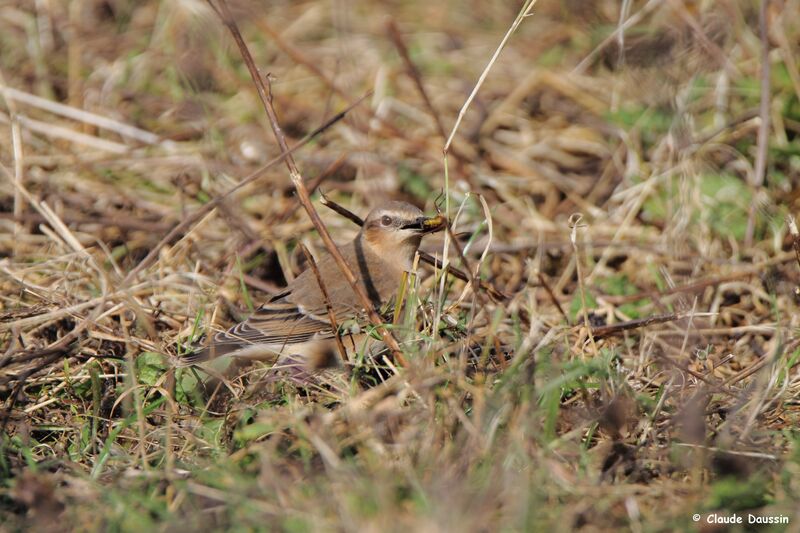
300 314
378 278
276 324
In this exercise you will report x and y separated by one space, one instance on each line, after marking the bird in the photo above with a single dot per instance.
294 325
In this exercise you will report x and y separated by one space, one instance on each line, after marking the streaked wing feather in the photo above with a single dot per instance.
277 323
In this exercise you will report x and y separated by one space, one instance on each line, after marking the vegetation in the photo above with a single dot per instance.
620 183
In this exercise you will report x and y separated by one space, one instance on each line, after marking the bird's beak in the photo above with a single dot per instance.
427 224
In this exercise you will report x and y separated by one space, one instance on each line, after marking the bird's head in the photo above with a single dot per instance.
397 228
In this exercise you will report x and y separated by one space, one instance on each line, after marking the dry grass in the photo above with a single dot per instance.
542 410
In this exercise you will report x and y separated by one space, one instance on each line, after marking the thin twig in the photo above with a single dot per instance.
712 48
793 231
22 379
346 213
631 21
612 329
180 228
684 367
763 127
495 294
524 12
311 65
575 222
264 88
327 299
470 274
754 455
413 73
80 220
552 296
85 117
689 287
313 185
298 57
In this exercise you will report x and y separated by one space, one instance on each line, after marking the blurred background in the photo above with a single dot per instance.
670 126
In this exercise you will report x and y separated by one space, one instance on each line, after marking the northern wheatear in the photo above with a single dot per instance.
295 325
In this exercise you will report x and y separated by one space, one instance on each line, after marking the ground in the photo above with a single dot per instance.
621 183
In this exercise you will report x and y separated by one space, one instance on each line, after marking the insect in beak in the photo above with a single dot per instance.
427 224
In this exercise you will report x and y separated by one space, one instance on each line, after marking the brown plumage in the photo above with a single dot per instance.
295 322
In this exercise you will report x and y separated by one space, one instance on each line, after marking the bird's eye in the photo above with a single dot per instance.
386 220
